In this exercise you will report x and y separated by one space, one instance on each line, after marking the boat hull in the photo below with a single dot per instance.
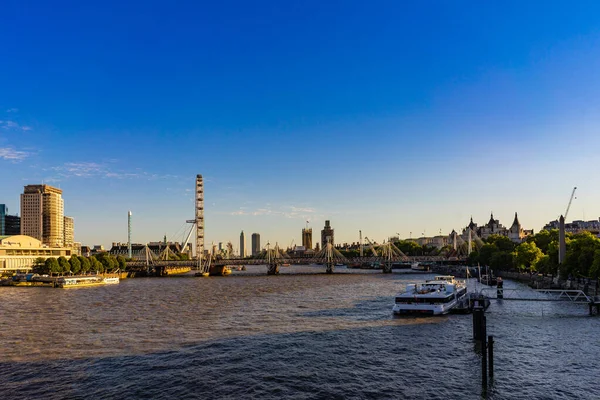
219 270
427 309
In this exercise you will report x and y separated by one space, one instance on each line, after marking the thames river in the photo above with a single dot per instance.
300 335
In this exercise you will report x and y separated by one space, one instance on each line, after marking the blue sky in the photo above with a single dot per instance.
385 116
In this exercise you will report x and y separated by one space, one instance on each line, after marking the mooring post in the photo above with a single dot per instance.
484 367
477 322
491 355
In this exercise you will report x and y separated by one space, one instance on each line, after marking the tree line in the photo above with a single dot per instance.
101 263
539 254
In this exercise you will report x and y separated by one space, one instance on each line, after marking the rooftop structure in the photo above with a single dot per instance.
307 238
327 235
576 226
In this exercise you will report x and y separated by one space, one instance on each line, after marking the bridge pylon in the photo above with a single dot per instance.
389 252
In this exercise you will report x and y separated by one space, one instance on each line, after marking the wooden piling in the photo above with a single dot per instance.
490 345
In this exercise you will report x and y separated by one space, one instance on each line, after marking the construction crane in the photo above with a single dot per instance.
570 201
372 246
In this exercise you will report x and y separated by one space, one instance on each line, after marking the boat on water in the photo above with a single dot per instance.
418 267
79 281
432 297
111 280
219 270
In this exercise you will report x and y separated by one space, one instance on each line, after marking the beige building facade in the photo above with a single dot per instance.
69 232
19 252
42 214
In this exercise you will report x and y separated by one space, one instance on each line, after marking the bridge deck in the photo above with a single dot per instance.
574 296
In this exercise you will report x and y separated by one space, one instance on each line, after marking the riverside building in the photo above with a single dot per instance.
19 252
42 214
69 233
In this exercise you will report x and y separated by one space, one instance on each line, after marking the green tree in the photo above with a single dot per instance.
526 256
64 264
543 238
39 266
581 249
122 263
408 247
595 268
502 243
501 261
108 262
86 266
486 252
473 258
95 265
52 265
543 265
75 264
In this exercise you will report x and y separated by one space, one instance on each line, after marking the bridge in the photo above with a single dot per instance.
274 258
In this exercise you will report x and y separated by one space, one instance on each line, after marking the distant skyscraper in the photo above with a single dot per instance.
255 244
3 212
9 224
243 250
307 238
42 214
69 232
327 235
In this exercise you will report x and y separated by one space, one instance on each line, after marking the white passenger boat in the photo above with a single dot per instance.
79 281
111 280
434 297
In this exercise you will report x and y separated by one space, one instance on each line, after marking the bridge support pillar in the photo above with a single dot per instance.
273 269
330 266
387 268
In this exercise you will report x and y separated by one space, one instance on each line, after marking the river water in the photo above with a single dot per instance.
302 335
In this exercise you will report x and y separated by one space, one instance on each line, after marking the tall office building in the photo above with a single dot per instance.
69 232
42 214
3 213
9 224
307 238
255 244
243 250
327 235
